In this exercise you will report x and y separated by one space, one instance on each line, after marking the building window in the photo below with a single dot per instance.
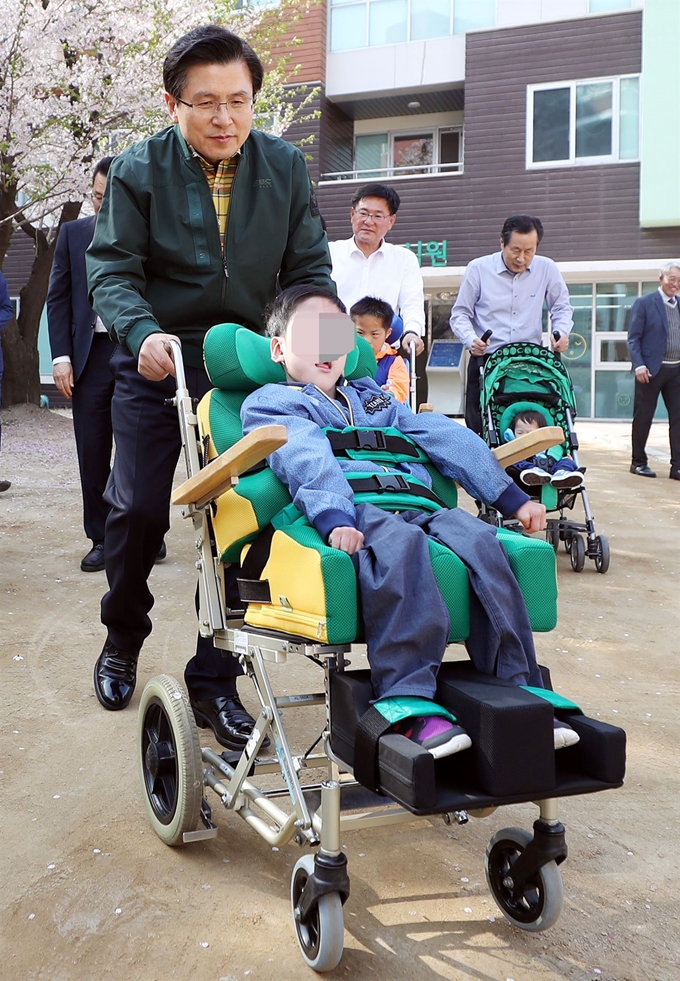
378 155
604 6
583 122
470 15
362 23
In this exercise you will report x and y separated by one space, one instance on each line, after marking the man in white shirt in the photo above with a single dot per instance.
366 265
502 296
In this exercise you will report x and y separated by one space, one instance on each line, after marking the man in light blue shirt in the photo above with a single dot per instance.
504 293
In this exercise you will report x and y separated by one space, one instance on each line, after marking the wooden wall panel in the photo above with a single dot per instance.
310 51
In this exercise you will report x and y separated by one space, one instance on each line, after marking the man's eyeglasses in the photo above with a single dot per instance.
367 216
234 107
672 281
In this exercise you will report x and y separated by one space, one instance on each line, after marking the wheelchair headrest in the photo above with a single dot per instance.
509 415
396 330
237 359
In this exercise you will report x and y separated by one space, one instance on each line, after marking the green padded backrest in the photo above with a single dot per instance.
238 359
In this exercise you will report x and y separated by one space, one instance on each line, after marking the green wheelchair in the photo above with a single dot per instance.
301 603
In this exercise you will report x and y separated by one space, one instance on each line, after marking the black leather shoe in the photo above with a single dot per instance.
115 677
642 471
94 560
5 485
674 474
162 552
228 719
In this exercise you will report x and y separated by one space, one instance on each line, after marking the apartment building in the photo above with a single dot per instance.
477 109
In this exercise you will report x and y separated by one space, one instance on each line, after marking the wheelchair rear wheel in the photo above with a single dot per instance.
169 759
537 903
321 939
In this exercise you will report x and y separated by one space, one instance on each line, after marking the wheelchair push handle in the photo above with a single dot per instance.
176 354
486 335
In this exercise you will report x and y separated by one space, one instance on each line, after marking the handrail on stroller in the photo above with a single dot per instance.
528 445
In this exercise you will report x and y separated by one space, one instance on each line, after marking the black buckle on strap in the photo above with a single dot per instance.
390 482
371 439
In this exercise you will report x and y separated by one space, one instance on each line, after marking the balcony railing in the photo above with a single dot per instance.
417 170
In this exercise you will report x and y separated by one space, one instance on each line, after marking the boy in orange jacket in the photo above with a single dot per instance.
373 320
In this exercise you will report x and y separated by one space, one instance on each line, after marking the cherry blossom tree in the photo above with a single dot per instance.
83 78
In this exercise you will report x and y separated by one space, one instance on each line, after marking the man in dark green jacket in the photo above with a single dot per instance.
197 224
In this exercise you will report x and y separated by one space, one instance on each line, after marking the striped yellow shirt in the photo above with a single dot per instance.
220 179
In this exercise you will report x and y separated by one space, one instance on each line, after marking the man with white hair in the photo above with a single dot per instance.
654 347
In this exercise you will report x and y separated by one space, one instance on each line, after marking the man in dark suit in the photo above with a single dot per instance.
81 350
654 347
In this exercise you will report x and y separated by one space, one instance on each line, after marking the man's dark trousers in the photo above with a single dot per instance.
666 382
91 402
473 392
148 445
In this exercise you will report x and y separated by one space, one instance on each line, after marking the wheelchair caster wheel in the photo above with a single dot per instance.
169 759
321 939
537 903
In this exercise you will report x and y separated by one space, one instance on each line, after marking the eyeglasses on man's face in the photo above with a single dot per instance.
364 215
208 108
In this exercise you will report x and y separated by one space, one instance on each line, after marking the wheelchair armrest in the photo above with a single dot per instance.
221 474
528 445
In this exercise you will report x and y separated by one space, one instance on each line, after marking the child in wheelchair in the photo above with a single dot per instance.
552 467
406 621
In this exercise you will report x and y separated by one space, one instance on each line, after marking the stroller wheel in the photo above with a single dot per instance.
603 555
169 759
568 536
537 903
577 553
552 535
322 937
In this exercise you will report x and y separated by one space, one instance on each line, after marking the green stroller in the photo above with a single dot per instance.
521 377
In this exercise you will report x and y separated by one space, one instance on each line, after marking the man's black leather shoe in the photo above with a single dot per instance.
674 474
162 552
115 677
94 560
228 719
642 471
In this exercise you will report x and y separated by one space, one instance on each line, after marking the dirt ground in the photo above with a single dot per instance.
87 891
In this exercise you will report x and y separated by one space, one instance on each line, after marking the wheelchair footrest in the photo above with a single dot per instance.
512 758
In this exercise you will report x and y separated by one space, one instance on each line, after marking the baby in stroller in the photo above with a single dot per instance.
406 621
551 467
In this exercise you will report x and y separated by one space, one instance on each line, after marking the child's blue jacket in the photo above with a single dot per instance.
314 476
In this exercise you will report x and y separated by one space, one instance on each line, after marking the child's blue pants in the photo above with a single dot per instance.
406 620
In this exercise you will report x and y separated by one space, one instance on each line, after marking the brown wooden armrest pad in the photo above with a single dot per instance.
528 445
218 476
